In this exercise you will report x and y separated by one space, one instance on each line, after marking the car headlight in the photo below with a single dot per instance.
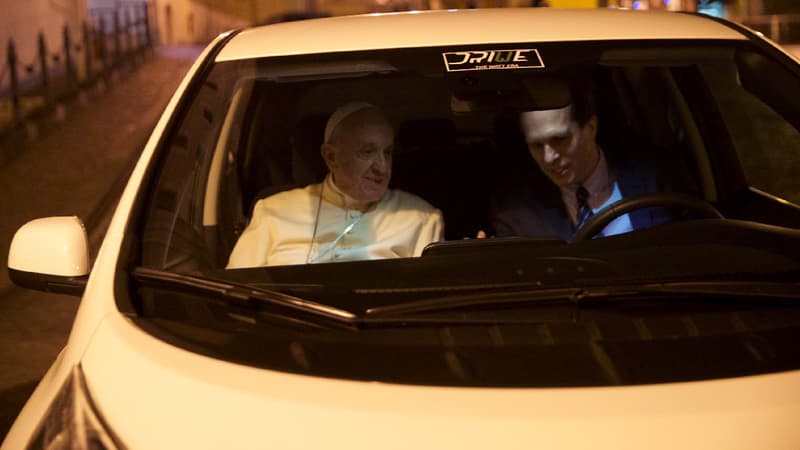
72 421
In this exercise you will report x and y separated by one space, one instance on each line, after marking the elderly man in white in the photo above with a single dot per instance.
352 214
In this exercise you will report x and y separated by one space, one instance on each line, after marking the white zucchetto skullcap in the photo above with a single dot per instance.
342 113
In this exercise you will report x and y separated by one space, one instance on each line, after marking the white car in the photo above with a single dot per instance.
683 335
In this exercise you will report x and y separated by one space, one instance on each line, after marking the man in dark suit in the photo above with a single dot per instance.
575 177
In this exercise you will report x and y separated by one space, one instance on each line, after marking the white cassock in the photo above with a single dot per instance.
281 229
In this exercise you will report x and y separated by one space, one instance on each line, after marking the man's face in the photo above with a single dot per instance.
360 156
565 151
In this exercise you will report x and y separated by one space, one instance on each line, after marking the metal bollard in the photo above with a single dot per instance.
103 47
117 43
88 51
11 53
130 28
69 66
45 79
146 15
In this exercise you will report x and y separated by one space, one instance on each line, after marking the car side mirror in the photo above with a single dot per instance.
51 255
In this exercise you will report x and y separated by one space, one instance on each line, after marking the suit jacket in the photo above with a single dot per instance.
530 204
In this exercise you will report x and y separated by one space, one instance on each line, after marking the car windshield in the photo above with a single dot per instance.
506 190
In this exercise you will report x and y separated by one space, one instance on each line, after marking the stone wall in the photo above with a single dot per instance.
199 21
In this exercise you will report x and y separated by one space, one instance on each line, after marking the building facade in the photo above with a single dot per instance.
198 21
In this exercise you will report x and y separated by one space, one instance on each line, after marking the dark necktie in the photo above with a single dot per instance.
584 210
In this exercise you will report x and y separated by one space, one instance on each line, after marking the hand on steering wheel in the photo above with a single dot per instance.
649 200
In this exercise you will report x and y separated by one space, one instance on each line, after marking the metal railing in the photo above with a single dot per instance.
109 40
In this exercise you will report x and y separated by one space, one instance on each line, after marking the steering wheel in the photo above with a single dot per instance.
649 200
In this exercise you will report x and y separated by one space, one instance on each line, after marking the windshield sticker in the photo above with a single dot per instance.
492 60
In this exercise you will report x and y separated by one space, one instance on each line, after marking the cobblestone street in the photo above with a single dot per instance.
75 167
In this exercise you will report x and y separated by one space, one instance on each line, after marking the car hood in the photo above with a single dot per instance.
155 395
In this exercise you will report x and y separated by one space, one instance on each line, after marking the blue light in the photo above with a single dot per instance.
637 4
711 8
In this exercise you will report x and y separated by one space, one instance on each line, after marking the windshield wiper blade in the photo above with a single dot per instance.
736 289
483 298
247 295
576 295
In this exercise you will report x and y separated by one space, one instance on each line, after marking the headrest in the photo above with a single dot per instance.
497 94
418 134
307 164
544 93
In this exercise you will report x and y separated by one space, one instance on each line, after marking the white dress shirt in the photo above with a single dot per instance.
621 224
601 183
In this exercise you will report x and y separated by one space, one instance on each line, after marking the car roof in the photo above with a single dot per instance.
467 27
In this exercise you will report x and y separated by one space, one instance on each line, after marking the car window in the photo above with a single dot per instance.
766 141
278 144
682 127
254 128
